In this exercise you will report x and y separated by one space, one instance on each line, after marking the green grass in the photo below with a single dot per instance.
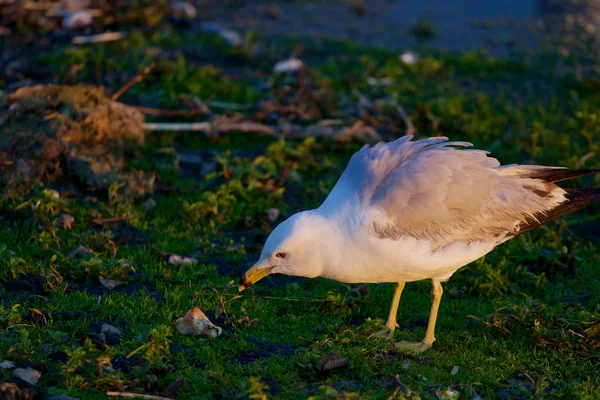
514 322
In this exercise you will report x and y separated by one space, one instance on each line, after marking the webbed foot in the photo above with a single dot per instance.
388 332
413 347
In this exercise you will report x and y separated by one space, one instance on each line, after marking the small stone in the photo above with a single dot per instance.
53 194
149 204
77 20
232 38
7 364
110 284
65 221
109 334
272 214
113 330
79 251
273 11
454 370
184 10
288 66
211 27
14 108
175 259
28 375
409 58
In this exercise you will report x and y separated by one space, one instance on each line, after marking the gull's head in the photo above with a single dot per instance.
293 248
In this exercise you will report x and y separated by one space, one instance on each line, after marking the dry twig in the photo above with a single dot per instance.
169 113
135 80
102 221
100 38
410 128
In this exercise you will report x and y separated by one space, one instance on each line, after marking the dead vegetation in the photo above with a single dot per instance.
54 130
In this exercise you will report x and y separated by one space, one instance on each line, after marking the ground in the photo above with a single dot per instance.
523 322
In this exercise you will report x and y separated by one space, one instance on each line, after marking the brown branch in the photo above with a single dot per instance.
207 127
102 221
135 80
168 113
136 395
100 38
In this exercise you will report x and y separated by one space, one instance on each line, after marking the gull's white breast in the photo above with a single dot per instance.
373 260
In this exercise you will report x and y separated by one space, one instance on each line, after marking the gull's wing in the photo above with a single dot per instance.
430 190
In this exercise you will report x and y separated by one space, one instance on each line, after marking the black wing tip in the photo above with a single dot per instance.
576 200
560 174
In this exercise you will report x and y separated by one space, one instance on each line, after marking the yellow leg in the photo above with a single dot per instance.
436 294
391 323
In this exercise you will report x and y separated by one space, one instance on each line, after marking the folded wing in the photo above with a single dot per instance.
430 190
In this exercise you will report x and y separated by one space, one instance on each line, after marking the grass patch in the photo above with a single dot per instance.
520 323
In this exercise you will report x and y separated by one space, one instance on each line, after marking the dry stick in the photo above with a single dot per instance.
207 127
410 128
136 395
135 80
170 113
100 38
178 126
174 387
230 106
102 221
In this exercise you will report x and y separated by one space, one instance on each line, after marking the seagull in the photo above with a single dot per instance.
411 210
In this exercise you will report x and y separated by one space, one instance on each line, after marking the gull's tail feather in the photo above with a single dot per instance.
576 200
560 174
547 174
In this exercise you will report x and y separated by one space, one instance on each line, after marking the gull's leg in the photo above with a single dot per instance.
436 294
391 324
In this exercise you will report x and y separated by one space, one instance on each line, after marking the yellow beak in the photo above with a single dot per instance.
253 275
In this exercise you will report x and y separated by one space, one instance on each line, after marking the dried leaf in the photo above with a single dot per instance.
331 361
195 322
288 66
65 221
38 314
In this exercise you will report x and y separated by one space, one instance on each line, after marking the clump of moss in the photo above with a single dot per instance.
53 130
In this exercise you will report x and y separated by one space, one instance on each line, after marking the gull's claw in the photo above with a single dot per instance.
413 347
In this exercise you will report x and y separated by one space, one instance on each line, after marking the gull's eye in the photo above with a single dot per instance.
281 254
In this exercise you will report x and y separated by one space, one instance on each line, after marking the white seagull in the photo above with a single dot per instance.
410 210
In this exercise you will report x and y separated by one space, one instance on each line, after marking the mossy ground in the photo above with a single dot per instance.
522 322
